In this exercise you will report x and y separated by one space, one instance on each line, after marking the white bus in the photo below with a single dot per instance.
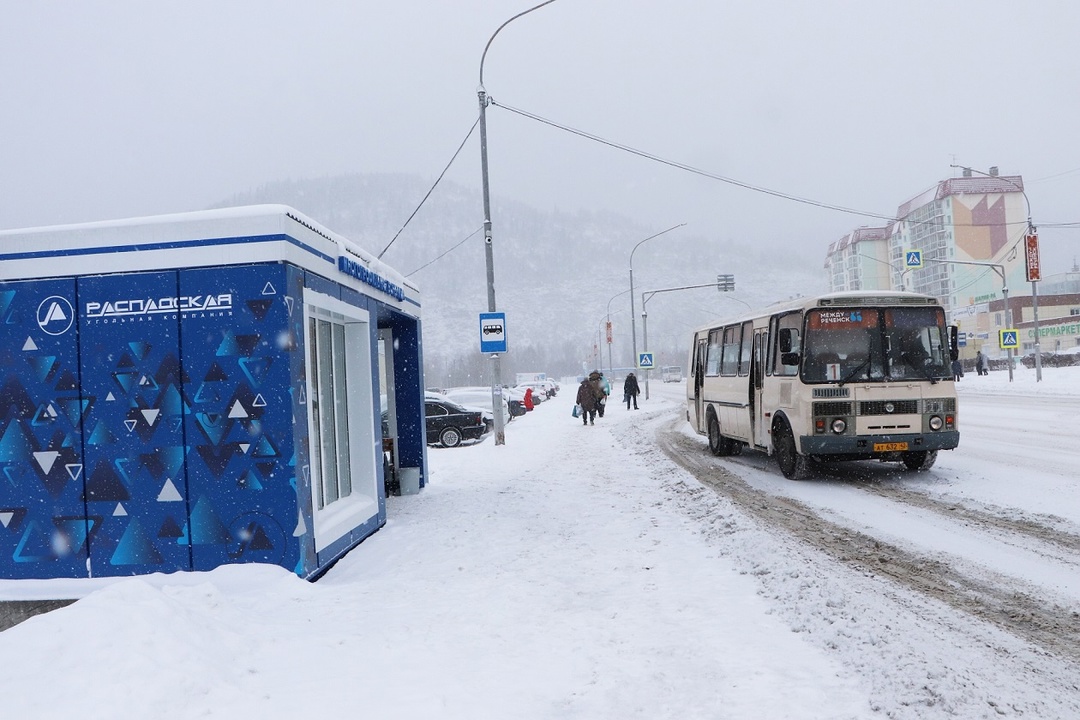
843 376
671 373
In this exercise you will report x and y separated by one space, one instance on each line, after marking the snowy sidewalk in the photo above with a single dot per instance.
547 578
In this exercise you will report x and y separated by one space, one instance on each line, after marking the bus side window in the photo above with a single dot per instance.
729 366
790 342
747 348
713 363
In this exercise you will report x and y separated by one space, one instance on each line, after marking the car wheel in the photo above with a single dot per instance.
450 437
793 465
919 460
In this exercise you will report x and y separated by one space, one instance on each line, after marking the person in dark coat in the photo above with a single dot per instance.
600 390
630 390
982 363
957 370
586 398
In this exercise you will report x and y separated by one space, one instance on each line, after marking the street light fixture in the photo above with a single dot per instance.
496 384
633 324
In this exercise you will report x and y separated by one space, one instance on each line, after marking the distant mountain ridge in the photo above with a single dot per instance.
555 272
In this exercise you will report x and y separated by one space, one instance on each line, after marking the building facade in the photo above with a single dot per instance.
970 232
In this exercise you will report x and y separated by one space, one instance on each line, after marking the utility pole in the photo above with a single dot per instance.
496 364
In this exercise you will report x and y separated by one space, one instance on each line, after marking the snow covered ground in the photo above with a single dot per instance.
578 572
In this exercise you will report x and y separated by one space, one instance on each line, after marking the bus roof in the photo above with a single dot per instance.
846 298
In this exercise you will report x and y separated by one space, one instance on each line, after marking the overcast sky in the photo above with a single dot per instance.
117 109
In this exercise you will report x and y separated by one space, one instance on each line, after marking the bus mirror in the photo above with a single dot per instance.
785 341
954 342
789 358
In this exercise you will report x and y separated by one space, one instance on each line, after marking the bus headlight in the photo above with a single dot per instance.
936 422
839 426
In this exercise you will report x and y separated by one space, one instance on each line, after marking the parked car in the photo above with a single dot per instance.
449 424
479 398
539 389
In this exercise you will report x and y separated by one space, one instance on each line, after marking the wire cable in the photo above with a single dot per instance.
740 183
440 257
690 168
456 153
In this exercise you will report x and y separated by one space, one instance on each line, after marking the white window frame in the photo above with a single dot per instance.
344 514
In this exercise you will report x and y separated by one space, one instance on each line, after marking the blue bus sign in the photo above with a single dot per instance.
493 332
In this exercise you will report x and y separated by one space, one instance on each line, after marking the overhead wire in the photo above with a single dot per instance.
440 257
432 189
739 183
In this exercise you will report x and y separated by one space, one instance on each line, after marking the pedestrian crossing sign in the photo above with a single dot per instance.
913 259
645 361
1008 339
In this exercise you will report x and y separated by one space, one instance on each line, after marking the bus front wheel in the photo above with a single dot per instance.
718 444
793 465
716 440
919 460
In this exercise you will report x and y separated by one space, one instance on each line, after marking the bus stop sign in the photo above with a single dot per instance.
493 332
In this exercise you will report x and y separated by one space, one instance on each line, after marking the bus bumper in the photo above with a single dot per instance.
863 445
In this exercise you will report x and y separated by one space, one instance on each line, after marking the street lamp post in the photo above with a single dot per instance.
1030 230
722 284
481 93
1000 270
633 324
611 365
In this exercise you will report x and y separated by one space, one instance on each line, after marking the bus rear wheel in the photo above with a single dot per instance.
793 465
919 460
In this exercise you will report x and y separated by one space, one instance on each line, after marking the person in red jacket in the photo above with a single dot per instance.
528 399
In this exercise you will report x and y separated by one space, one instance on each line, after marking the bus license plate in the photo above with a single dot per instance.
890 447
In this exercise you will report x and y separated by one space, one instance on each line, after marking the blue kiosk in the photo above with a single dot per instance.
184 391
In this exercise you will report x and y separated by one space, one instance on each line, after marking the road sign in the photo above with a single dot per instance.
645 361
1031 258
493 332
961 339
1008 339
913 259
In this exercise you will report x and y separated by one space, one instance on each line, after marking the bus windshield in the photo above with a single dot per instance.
875 345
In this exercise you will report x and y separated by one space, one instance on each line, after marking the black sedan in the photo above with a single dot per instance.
448 424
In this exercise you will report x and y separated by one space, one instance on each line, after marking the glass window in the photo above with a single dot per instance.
792 322
713 363
729 364
747 348
916 343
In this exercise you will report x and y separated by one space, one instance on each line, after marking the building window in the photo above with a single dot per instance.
342 471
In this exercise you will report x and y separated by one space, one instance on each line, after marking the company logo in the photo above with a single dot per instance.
55 315
141 307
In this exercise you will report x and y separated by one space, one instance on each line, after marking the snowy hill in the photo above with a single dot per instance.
555 271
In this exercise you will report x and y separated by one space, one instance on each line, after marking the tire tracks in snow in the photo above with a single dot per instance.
1010 607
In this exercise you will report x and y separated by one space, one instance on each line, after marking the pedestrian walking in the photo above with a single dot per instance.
982 363
601 389
586 400
630 390
957 370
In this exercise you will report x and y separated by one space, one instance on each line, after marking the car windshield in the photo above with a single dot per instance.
875 345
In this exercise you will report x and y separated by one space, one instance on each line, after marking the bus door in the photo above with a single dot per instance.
759 428
699 381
